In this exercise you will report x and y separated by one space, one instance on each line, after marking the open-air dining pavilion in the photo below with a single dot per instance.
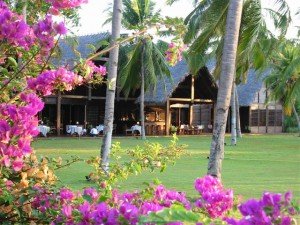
184 104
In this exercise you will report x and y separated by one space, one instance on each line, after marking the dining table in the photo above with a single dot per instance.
136 128
100 128
43 129
74 129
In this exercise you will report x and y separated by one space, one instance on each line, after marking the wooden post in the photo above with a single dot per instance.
58 113
70 111
267 113
167 120
258 113
200 118
89 92
275 117
85 116
192 99
191 114
179 116
192 88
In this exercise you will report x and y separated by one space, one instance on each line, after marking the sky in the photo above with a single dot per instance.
92 15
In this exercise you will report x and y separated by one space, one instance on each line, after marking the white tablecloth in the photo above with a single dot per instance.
43 130
94 131
100 128
200 127
71 129
136 128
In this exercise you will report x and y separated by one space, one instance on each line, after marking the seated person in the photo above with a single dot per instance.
94 132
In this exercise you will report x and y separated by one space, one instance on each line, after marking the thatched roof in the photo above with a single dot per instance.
247 91
165 88
83 46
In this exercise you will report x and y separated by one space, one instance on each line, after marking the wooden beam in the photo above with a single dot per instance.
58 113
190 100
98 98
75 96
167 117
93 97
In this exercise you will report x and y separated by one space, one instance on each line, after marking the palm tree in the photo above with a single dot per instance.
206 28
225 85
111 87
207 32
284 80
238 120
145 64
233 107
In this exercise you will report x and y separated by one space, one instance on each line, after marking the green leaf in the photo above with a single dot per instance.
173 214
87 198
23 199
3 71
11 61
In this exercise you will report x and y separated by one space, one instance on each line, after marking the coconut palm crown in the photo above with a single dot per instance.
142 63
206 29
284 80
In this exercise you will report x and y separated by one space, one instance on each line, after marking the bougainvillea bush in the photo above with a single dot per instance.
28 194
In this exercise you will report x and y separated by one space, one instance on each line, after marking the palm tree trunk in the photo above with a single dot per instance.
238 118
297 117
24 11
233 115
233 22
142 97
111 86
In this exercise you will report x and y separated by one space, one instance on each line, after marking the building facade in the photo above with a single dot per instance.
184 100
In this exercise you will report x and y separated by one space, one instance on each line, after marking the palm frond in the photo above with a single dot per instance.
208 19
252 29
281 17
129 74
211 28
284 80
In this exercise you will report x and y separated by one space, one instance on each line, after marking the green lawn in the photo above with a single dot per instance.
257 164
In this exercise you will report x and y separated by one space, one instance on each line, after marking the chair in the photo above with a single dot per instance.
190 129
199 129
183 129
128 131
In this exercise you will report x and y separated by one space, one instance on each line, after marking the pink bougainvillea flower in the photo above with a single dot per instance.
66 194
17 164
67 210
66 4
214 198
60 28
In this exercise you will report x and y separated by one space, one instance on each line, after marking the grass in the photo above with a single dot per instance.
257 164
